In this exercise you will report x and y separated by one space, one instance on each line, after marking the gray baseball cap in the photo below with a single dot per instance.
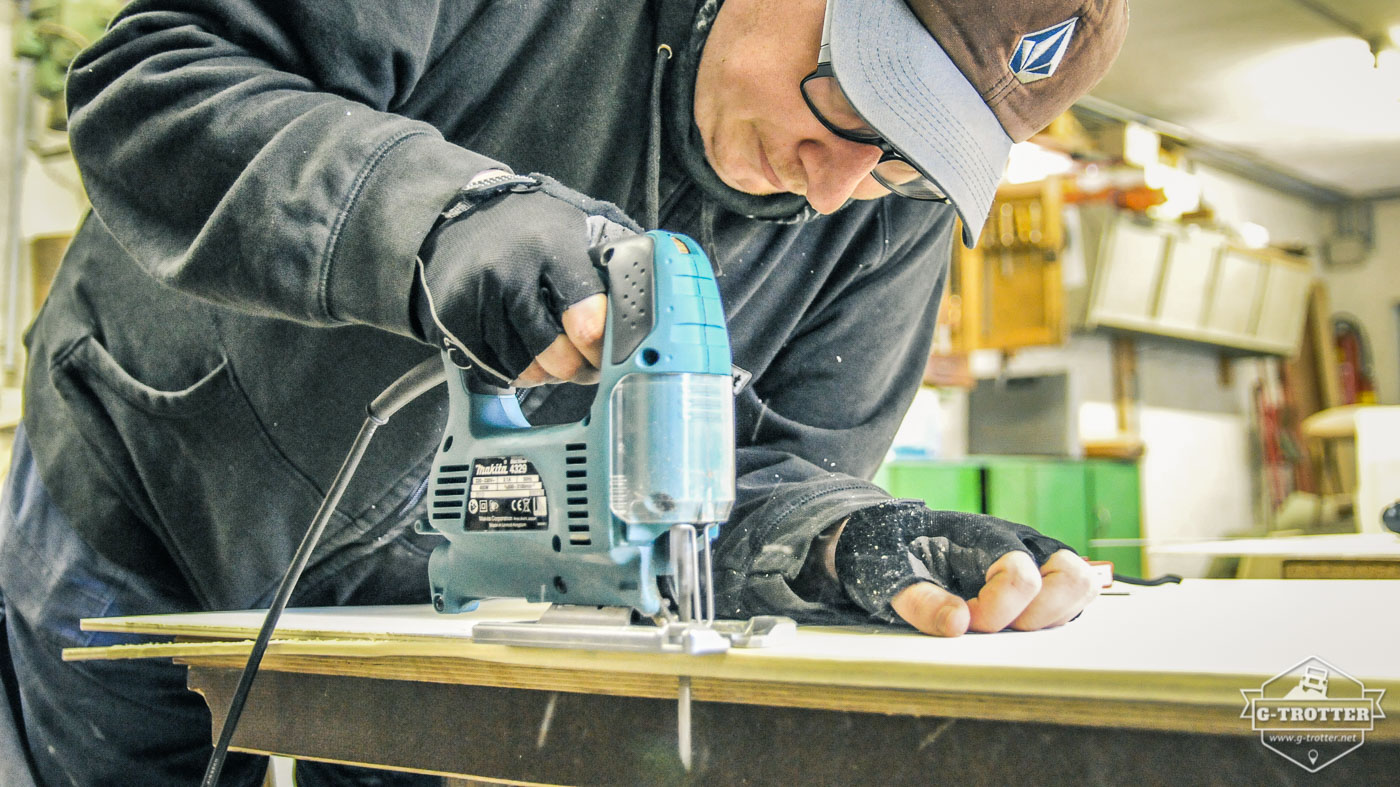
952 84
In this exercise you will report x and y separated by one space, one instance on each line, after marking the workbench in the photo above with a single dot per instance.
1145 687
1334 556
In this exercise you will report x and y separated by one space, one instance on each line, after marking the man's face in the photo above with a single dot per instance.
759 135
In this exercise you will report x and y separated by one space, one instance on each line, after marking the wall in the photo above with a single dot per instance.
52 202
53 194
1371 292
53 199
1235 200
1197 476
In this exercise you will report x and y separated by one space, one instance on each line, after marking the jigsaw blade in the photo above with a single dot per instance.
693 605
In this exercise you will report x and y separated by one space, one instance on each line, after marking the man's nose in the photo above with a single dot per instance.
834 168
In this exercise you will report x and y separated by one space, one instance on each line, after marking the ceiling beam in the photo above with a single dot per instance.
1232 160
1330 14
1377 40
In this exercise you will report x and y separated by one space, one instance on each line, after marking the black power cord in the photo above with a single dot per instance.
417 381
1127 579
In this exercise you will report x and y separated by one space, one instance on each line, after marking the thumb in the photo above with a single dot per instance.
932 610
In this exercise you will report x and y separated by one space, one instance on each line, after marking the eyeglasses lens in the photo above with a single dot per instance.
833 109
900 177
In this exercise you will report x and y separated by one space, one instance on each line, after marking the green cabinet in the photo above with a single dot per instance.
1047 495
1116 500
944 486
1093 505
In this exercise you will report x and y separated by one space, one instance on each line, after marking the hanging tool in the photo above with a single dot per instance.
1006 225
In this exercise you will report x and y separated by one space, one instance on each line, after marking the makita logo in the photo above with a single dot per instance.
1038 54
500 468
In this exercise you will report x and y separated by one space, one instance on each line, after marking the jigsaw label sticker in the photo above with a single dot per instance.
506 494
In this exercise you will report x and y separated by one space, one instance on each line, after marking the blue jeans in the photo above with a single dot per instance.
134 722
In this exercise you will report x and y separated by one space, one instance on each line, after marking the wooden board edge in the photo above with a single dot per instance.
458 662
1215 707
1214 719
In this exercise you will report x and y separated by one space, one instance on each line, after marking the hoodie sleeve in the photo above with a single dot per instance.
247 151
816 425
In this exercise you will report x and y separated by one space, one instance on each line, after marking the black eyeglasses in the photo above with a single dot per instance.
895 172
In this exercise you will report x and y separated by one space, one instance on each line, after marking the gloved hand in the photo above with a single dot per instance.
499 272
899 559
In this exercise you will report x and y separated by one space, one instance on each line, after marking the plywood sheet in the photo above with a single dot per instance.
1361 546
1202 634
392 622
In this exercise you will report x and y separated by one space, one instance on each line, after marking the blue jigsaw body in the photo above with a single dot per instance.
574 513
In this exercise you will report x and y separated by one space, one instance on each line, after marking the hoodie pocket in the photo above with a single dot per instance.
98 366
197 466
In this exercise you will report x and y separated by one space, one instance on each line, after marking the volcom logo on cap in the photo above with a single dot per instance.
1038 54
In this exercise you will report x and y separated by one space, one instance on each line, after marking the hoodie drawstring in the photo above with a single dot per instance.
708 213
652 206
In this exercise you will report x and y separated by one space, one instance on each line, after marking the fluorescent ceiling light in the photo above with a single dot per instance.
1253 235
1030 162
1141 145
1181 189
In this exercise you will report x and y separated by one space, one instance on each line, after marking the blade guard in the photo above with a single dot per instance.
572 513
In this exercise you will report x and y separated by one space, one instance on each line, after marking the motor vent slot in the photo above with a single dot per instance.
449 495
576 511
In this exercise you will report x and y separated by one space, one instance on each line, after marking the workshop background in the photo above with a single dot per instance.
1182 321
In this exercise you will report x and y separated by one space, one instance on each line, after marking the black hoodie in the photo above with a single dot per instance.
262 175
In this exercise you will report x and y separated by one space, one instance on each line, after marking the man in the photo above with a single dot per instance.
267 251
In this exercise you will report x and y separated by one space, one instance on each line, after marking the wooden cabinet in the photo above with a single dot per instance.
1186 283
1234 300
1190 264
1283 306
1127 291
1007 292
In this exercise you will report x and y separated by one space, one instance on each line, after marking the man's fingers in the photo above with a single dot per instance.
560 362
1067 586
583 324
931 609
1012 583
533 375
575 355
564 361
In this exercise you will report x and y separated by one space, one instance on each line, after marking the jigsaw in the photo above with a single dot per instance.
610 518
